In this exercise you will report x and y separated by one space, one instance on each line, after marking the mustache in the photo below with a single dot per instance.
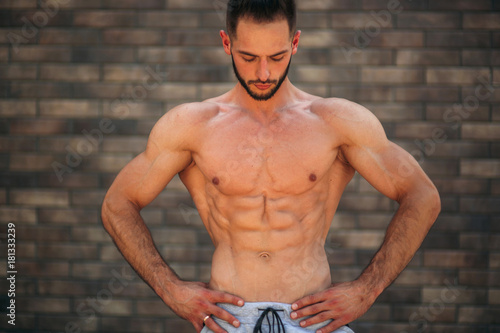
262 82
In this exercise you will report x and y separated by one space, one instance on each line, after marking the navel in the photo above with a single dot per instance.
312 177
264 255
215 181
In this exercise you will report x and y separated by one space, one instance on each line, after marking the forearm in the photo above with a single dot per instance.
126 227
404 236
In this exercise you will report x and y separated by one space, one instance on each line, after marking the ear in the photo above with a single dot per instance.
226 42
295 41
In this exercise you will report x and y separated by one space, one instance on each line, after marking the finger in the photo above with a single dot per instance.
309 310
308 300
319 318
222 297
211 324
224 315
331 327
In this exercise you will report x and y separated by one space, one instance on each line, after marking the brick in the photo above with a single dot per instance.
393 7
17 144
18 72
18 4
200 74
68 108
480 205
65 37
38 127
324 74
133 37
494 297
154 308
132 324
428 57
423 276
131 110
479 278
75 180
439 240
458 76
365 94
69 73
428 20
92 197
393 75
43 305
476 57
362 21
460 5
427 93
457 39
135 145
103 54
191 38
39 89
31 162
42 53
487 21
106 163
4 54
485 131
399 39
18 214
364 203
173 55
181 91
461 186
44 269
98 90
312 20
67 251
305 5
128 73
16 108
458 259
344 56
451 294
469 314
72 216
147 4
168 19
90 234
357 239
39 197
454 114
436 132
494 261
173 236
480 168
104 18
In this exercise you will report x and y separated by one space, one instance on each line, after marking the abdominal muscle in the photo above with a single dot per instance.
270 257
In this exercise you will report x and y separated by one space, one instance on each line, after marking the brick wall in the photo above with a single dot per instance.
83 82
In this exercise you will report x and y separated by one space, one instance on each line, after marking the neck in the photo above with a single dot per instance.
283 97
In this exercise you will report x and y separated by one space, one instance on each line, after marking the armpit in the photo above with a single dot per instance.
341 157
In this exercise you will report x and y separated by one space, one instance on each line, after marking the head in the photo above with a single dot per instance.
261 39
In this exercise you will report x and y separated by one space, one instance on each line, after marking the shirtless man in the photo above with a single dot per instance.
266 165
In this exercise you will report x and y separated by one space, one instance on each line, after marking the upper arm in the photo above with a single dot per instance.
166 154
385 165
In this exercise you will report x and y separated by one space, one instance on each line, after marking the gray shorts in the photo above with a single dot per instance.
249 314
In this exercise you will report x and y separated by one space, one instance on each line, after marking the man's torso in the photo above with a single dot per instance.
267 190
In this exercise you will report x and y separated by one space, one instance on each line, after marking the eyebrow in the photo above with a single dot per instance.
253 55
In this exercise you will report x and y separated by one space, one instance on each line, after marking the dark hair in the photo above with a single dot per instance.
262 11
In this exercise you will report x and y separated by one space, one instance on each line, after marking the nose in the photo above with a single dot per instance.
263 71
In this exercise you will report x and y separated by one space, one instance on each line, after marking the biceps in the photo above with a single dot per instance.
145 177
388 168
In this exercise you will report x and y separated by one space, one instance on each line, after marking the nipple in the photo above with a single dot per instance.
312 177
215 181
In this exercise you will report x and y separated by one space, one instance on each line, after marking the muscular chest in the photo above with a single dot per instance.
287 156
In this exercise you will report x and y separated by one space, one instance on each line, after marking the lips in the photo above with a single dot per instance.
262 86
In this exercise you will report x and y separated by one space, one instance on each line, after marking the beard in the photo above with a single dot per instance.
264 96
